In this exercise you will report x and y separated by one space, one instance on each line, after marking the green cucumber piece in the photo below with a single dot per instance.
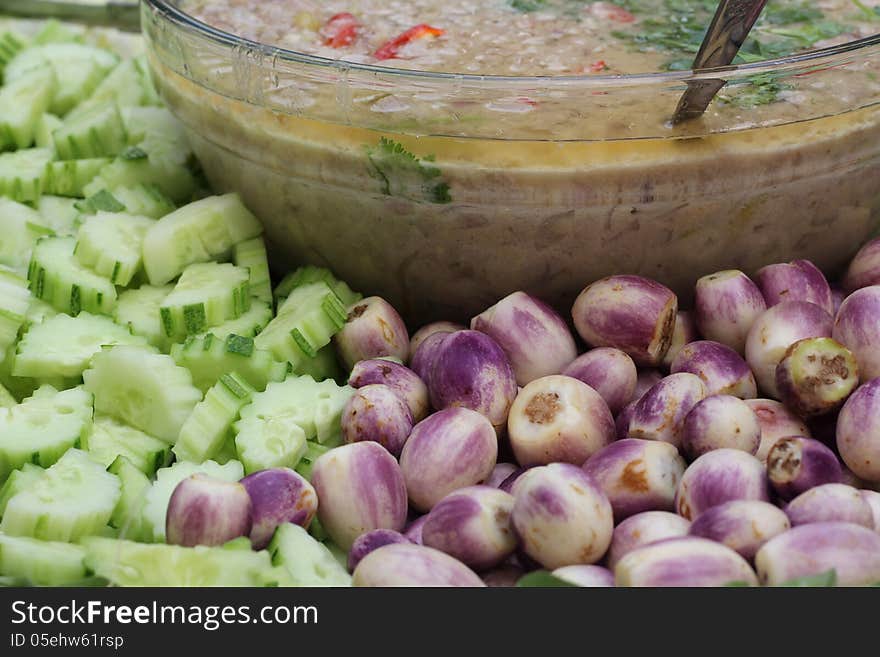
138 309
23 103
57 277
247 325
20 227
15 300
206 294
96 133
110 244
144 200
251 255
312 274
58 213
127 516
23 173
18 481
70 178
308 561
111 438
43 563
313 453
175 181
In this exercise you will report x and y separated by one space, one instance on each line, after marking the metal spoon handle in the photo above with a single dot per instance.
728 30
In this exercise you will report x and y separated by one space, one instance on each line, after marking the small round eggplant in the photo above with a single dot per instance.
837 297
741 525
864 269
721 421
642 529
720 476
872 498
510 482
857 326
561 516
610 372
470 370
796 464
799 280
632 313
422 361
689 561
373 329
376 413
413 530
399 564
399 378
366 543
446 451
428 330
473 525
852 551
586 576
647 379
816 376
278 495
830 502
684 333
776 330
858 432
533 335
207 511
727 304
558 419
360 488
722 370
660 413
637 475
776 422
499 473
621 422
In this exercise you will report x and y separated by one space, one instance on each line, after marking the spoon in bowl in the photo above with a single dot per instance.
728 30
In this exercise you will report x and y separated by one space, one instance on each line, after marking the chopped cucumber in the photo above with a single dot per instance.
271 442
63 346
144 200
43 563
70 178
47 124
208 358
22 104
6 398
38 311
10 45
59 213
138 309
324 365
128 515
207 294
159 134
206 431
126 85
110 243
145 389
313 452
309 562
175 181
43 427
23 173
251 255
96 133
18 481
312 274
157 498
15 300
198 232
54 31
20 227
248 325
74 498
58 278
110 439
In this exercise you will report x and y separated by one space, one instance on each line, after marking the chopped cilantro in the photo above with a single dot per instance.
400 172
133 153
102 201
528 5
762 90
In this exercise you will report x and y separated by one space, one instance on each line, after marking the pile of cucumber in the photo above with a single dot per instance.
140 338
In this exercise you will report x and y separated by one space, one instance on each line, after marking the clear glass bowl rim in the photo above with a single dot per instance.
187 22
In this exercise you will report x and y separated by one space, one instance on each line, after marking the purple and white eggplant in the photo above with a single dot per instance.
852 551
776 422
647 379
631 313
360 488
683 562
373 540
586 576
727 303
796 464
374 329
637 475
643 529
428 330
830 502
816 376
473 525
775 331
722 370
377 413
207 511
858 432
399 564
561 516
660 413
610 372
721 421
720 476
422 361
413 530
533 335
558 419
446 451
857 326
278 495
799 280
399 378
685 332
864 269
872 498
499 473
621 422
742 525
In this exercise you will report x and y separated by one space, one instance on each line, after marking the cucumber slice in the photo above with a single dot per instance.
126 85
96 133
70 178
159 134
43 427
206 431
271 442
313 452
309 562
311 274
208 358
6 398
110 244
125 563
38 311
22 104
20 226
111 438
47 124
248 325
59 213
207 294
198 232
324 365
102 201
23 173
58 278
305 323
157 498
138 309
144 200
128 515
74 498
145 389
175 181
10 45
18 481
43 563
15 300
63 346
251 255
54 31
227 451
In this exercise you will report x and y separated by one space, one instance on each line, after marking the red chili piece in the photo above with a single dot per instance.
598 67
611 12
340 31
390 49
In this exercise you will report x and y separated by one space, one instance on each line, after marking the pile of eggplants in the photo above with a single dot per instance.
735 442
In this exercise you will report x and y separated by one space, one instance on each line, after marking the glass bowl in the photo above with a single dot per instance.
444 192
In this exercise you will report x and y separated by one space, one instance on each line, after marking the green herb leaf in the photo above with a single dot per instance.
825 579
401 173
526 6
542 579
761 90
